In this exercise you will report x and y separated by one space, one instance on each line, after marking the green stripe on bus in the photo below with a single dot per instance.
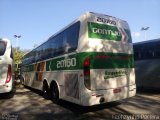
31 67
103 31
63 63
97 61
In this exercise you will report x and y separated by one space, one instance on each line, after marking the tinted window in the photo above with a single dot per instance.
72 35
64 42
147 51
58 40
2 47
37 55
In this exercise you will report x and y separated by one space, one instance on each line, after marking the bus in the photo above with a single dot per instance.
6 67
147 65
89 62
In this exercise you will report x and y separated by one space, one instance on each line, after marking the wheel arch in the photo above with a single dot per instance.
45 81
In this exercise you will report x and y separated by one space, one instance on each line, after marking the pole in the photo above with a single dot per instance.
16 44
145 32
17 41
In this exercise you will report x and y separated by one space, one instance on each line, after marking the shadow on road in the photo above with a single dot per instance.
83 109
75 108
29 104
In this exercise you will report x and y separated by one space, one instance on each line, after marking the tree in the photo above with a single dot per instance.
18 54
18 57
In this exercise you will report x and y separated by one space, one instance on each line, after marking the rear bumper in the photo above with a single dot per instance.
104 96
6 88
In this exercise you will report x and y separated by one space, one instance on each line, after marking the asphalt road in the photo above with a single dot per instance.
30 105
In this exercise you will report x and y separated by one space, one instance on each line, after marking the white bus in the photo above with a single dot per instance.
88 62
6 67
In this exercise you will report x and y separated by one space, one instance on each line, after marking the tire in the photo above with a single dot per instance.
12 93
55 93
45 91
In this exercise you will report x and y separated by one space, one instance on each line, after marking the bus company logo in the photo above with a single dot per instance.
66 63
106 32
113 74
103 31
104 20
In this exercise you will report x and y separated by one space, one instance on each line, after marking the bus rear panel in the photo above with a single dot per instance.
107 60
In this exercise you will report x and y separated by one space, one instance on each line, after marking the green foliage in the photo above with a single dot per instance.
18 56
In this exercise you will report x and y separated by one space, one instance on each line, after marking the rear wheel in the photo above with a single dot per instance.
45 91
55 93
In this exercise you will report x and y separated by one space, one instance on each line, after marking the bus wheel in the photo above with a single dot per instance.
45 91
55 93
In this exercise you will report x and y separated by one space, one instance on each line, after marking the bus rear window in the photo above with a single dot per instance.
2 47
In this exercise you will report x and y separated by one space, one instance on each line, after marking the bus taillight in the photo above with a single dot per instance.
9 74
86 71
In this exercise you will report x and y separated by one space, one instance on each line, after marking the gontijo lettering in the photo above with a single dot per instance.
106 32
103 31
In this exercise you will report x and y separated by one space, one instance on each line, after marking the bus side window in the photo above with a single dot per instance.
59 44
72 37
37 54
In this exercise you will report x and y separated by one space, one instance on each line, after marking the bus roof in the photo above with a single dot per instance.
78 19
105 15
147 42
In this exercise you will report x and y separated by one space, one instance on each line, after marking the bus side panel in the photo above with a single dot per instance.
31 75
68 84
28 77
147 72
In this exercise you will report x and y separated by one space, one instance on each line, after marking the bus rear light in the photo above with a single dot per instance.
86 71
86 62
9 74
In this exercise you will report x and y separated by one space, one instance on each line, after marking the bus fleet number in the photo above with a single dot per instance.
66 63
